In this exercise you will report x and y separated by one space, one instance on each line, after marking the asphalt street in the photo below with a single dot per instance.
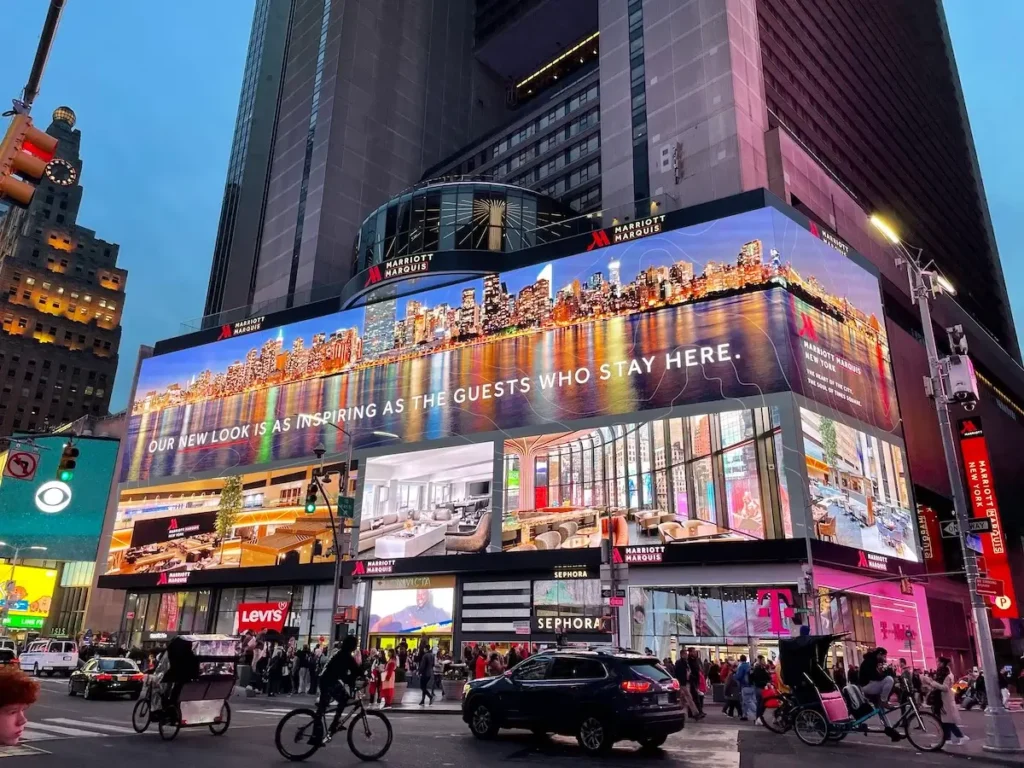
90 734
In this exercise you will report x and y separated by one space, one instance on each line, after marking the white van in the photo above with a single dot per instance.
50 656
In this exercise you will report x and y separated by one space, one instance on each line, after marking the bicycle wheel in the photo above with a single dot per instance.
924 731
778 719
811 727
367 739
294 733
140 715
170 722
221 727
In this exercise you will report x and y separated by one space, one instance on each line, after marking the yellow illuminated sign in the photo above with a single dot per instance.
30 590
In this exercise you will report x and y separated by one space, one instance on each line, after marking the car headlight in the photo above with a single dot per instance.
465 690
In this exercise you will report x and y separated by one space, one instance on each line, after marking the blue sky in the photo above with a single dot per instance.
155 87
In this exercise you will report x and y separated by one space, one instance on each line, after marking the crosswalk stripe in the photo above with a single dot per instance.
32 735
90 724
264 711
61 730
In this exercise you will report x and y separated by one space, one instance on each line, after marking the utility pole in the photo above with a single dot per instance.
925 283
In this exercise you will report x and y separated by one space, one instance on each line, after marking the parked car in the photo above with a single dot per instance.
106 676
598 696
50 656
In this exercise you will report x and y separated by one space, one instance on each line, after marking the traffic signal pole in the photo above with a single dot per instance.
53 14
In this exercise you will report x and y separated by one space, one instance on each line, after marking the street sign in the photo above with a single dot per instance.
521 627
950 530
21 465
973 541
990 587
616 602
979 525
606 592
346 508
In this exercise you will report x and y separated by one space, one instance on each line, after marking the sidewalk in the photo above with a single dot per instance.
973 725
410 703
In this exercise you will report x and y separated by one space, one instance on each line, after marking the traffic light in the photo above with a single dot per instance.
311 499
25 152
68 461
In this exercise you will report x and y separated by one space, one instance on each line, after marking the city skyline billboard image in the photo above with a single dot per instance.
740 306
64 517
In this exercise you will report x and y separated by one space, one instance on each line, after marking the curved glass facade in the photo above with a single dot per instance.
462 215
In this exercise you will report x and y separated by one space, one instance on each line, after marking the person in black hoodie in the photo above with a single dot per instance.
876 681
340 674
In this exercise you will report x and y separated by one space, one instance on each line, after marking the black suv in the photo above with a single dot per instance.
598 696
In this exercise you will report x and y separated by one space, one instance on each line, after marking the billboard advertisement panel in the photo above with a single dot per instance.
859 490
66 518
27 592
740 306
245 520
412 611
994 561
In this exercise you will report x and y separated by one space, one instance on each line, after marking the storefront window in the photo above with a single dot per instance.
742 491
703 490
721 621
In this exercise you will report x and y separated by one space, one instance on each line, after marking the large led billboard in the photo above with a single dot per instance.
740 306
859 489
27 593
249 519
66 518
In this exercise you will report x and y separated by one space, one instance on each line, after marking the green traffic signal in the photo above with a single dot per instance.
66 475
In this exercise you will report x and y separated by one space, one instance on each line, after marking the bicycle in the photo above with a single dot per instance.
778 712
814 724
296 729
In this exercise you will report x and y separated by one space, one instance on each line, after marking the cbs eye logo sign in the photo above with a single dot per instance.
53 496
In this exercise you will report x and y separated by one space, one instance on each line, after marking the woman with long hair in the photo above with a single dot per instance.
943 702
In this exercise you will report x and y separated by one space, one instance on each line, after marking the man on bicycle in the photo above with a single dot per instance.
340 674
876 681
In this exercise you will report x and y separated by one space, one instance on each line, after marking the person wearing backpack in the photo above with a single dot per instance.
760 678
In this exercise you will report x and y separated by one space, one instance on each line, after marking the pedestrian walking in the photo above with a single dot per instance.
426 670
748 694
943 702
681 671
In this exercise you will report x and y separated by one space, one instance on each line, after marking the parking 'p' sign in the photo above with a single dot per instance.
21 465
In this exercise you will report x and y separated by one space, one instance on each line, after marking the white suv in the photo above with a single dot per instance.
50 656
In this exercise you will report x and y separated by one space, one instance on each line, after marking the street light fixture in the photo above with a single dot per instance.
344 492
925 283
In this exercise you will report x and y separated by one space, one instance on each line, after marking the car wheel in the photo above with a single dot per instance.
482 722
652 742
89 692
71 687
35 670
594 735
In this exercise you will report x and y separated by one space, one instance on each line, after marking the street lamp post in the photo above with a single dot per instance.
1000 734
7 587
344 492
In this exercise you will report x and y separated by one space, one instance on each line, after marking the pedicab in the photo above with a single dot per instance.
202 701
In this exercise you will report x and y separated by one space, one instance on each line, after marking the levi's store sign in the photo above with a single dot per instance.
260 616
982 498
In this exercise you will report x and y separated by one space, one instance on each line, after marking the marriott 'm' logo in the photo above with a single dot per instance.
373 276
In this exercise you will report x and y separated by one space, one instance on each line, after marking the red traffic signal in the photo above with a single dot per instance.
25 153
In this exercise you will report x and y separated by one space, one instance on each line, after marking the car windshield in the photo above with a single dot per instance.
117 665
650 669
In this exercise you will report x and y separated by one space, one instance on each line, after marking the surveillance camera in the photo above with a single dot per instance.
320 450
970 406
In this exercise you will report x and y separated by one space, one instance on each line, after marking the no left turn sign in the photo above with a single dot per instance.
21 465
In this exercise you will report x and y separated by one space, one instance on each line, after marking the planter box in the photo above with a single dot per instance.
413 681
452 689
400 689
